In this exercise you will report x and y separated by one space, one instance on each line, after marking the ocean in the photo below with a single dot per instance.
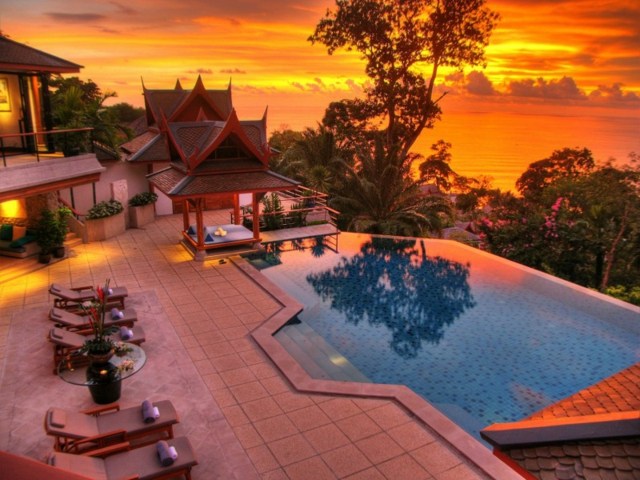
501 140
502 144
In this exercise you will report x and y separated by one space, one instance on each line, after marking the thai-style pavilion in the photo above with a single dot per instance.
212 156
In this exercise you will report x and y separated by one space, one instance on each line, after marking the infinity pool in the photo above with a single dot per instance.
482 339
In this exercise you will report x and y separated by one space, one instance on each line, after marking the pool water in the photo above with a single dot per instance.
482 339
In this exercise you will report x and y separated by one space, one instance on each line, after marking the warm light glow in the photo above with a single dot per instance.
13 209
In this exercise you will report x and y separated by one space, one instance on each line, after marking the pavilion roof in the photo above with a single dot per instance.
17 57
176 183
190 126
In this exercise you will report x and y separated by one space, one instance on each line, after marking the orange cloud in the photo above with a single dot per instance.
263 46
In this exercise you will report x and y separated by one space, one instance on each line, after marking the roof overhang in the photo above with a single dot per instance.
18 68
177 184
47 176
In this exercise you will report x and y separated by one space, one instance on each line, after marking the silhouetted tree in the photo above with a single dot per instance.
404 43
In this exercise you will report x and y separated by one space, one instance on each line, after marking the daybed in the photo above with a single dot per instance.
230 234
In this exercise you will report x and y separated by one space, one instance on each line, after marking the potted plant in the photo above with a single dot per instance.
46 235
105 381
61 217
105 220
100 344
142 209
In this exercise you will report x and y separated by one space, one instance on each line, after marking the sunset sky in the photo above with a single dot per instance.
544 52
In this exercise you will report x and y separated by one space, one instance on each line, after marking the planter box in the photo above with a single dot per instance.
139 216
104 228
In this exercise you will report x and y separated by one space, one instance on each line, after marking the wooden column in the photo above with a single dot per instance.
255 204
199 224
236 209
185 215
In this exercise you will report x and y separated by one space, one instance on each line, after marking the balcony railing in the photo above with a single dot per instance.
32 142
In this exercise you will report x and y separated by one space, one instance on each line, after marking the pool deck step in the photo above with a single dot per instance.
318 358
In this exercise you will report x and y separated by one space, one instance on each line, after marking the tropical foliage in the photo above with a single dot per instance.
574 219
79 104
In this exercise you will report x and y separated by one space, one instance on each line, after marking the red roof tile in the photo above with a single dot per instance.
612 458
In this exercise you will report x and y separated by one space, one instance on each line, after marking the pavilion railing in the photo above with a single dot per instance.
302 207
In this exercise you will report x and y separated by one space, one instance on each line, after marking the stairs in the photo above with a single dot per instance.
318 358
71 240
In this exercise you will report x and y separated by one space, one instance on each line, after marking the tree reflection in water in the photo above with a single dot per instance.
393 283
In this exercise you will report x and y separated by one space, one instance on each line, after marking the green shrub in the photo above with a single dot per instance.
272 212
144 198
104 209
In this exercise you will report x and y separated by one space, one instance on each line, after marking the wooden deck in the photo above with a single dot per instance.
299 233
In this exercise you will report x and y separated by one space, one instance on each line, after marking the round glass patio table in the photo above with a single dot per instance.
103 379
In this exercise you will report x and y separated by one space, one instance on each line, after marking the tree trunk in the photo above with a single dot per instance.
610 255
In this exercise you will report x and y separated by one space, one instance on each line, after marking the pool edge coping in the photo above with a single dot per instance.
470 448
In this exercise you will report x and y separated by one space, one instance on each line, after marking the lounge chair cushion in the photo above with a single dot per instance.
145 462
57 417
75 425
66 339
56 333
130 419
74 320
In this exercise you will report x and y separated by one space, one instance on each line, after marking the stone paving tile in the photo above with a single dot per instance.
275 428
368 474
346 460
379 447
325 438
388 416
410 436
435 458
311 469
338 408
358 427
291 449
308 418
403 466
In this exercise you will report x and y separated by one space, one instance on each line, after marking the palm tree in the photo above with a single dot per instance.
381 197
317 160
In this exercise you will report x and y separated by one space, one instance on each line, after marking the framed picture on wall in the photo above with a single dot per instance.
5 100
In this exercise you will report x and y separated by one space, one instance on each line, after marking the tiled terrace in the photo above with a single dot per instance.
243 417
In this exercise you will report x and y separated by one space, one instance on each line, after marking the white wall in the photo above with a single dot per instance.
133 175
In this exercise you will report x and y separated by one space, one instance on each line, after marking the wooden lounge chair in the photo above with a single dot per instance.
72 298
66 342
74 321
140 463
96 428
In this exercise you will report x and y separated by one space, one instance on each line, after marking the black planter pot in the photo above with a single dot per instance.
44 258
106 385
58 252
